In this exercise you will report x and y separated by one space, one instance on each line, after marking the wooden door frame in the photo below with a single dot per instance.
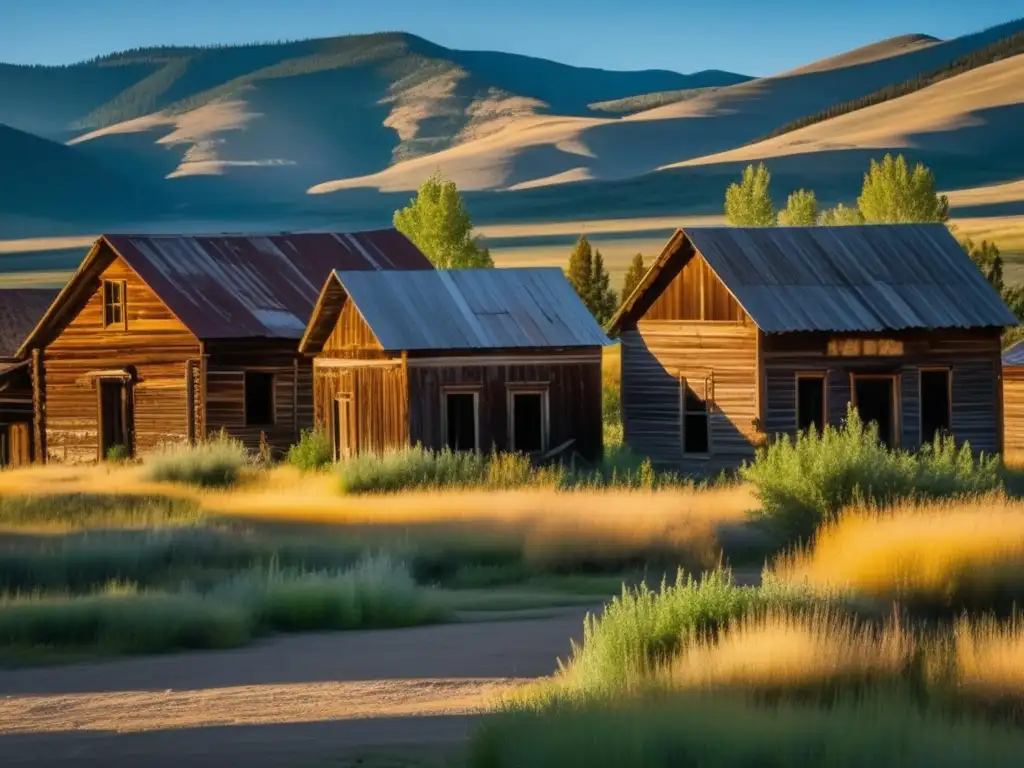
948 370
822 376
127 413
541 388
461 389
897 412
337 438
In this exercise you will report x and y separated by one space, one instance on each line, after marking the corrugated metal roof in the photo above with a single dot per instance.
20 310
472 309
240 286
858 278
1014 356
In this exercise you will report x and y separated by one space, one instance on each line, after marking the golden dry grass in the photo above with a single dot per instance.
944 549
990 658
780 649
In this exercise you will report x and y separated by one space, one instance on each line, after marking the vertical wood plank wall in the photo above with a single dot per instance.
16 416
155 345
1013 410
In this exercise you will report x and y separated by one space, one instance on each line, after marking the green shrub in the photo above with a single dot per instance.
117 454
727 732
804 482
643 628
88 510
211 463
312 452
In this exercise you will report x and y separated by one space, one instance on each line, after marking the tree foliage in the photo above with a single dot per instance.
591 280
801 210
989 260
437 222
749 202
840 216
634 274
1003 48
893 194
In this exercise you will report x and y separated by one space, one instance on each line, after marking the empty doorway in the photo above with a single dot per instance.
875 400
114 417
935 404
528 415
461 429
810 402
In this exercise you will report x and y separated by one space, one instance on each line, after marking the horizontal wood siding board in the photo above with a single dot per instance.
1013 413
654 357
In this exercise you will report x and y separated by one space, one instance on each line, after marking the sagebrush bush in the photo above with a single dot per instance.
804 482
312 452
117 454
211 463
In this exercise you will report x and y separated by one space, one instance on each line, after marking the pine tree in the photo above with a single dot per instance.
988 259
437 223
840 216
602 302
581 265
801 210
634 274
749 203
893 194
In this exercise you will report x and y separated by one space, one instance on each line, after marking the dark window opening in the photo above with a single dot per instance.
259 399
810 403
461 417
696 428
874 401
113 302
934 405
528 422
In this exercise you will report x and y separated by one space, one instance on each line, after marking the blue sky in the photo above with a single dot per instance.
756 38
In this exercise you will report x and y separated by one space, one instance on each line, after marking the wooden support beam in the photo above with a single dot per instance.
39 406
295 400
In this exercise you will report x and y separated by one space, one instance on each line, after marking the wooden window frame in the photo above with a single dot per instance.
122 304
273 398
821 376
461 389
529 388
709 389
897 412
948 369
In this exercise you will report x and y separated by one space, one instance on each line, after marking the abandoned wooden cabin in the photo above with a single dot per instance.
737 335
1013 399
20 310
472 360
165 339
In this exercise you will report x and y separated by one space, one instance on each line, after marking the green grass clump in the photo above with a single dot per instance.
728 732
312 452
74 511
209 464
123 620
805 482
643 628
117 454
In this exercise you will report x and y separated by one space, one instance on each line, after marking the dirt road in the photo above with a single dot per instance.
290 701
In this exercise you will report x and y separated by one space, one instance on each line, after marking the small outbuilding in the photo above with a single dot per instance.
736 335
1013 400
472 360
20 310
166 339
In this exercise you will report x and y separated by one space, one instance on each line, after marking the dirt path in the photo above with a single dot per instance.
289 701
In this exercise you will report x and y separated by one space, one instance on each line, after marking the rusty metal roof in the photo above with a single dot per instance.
472 309
856 278
20 310
241 286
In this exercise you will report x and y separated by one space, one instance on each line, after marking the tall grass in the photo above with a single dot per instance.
373 594
950 555
805 482
72 511
731 732
209 464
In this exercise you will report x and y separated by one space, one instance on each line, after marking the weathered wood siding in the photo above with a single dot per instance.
154 346
973 358
16 415
695 293
226 365
656 356
572 380
1013 410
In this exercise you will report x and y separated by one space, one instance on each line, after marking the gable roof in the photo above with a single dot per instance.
20 310
1014 356
461 309
844 279
236 286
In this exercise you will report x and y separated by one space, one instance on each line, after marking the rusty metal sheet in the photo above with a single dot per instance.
264 286
20 310
858 278
472 309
